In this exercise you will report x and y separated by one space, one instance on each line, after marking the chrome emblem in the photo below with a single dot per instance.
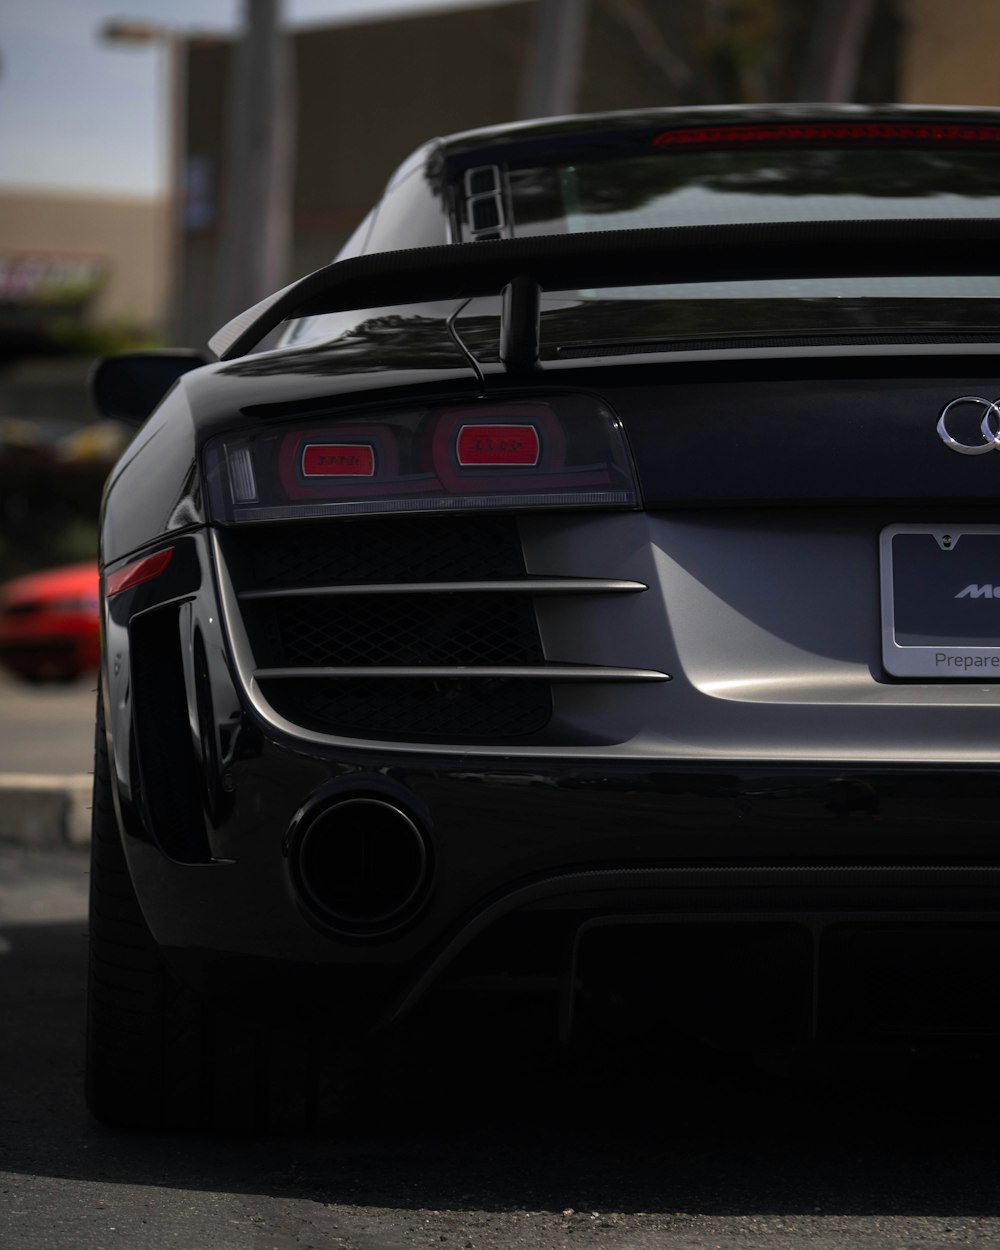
989 426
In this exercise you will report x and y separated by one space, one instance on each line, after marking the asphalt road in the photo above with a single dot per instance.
607 1150
48 728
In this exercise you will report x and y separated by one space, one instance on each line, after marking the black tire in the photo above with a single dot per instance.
157 1057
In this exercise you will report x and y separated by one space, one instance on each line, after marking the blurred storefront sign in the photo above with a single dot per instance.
66 279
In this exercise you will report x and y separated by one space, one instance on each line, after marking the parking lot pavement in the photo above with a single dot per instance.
46 749
470 1146
43 810
47 729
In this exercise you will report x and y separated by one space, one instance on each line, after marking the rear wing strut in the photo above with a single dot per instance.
521 269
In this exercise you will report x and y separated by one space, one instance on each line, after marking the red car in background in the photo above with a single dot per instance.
50 623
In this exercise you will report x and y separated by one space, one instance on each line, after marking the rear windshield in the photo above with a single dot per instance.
712 188
646 185
572 184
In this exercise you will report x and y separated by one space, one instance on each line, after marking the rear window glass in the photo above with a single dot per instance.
642 185
726 187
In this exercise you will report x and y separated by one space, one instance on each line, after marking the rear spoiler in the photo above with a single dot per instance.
521 269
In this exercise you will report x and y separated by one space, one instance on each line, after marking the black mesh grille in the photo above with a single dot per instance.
355 552
390 629
413 630
462 708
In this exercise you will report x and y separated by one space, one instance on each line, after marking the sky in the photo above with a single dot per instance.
79 114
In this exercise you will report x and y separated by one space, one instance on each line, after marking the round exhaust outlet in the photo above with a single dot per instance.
362 865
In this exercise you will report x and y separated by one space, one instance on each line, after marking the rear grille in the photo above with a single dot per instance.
407 631
426 629
451 708
368 550
399 627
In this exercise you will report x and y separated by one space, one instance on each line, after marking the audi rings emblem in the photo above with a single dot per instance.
989 427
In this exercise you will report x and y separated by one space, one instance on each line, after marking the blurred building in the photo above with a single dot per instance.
372 90
70 261
369 92
948 52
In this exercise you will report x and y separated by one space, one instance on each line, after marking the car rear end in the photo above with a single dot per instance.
649 682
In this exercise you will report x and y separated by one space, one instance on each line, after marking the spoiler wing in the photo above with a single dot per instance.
522 268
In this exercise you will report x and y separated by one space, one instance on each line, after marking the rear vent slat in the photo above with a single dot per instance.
518 586
401 629
448 650
519 672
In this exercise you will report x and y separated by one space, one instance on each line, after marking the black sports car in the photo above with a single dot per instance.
579 603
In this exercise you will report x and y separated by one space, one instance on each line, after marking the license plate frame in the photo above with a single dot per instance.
940 601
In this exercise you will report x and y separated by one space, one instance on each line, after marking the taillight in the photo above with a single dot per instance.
832 134
497 446
568 451
137 572
338 460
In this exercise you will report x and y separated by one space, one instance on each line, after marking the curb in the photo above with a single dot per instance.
37 810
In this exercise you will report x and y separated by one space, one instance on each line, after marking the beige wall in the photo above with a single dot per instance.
949 52
128 236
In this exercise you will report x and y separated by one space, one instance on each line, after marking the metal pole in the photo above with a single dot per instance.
836 44
173 47
552 73
175 52
256 222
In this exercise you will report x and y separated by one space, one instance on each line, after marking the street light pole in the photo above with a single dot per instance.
552 74
174 48
256 223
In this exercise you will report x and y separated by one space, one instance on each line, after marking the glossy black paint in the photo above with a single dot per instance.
783 432
129 387
513 839
597 132
584 839
156 488
756 251
504 839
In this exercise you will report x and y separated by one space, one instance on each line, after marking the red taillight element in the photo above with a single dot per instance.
338 460
564 451
831 134
330 463
137 572
499 446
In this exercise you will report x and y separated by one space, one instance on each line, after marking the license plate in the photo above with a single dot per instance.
941 601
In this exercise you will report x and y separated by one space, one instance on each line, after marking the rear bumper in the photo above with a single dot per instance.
526 864
653 883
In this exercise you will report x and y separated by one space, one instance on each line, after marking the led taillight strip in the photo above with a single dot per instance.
137 572
831 134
